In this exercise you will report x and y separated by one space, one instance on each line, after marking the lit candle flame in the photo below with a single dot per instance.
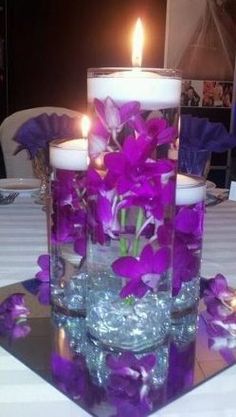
85 126
138 39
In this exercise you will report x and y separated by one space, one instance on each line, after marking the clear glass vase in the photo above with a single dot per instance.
131 199
189 221
68 160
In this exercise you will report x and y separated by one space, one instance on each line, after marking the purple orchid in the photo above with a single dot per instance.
220 301
13 307
189 220
103 208
44 263
217 287
111 119
130 170
144 273
13 315
129 383
156 130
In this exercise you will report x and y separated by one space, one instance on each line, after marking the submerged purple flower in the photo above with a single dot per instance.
157 130
186 265
114 117
189 220
44 263
143 274
131 170
111 119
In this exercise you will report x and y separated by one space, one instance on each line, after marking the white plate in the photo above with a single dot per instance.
19 185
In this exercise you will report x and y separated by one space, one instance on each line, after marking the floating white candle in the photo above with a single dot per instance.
153 88
71 154
189 190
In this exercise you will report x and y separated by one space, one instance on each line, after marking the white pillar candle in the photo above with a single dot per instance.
154 89
189 190
70 155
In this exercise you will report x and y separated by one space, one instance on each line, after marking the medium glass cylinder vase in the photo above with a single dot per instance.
189 220
68 159
131 199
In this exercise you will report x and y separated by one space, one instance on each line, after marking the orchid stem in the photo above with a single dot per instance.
138 225
123 243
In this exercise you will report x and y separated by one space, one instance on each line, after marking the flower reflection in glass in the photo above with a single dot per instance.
13 317
73 378
129 383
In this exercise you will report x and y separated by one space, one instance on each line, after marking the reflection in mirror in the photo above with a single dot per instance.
111 383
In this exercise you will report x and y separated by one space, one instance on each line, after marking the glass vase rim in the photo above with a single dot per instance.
57 142
164 72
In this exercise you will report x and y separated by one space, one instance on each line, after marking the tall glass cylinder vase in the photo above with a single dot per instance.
131 200
68 160
189 219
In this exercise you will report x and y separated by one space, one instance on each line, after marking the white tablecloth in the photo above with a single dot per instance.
22 392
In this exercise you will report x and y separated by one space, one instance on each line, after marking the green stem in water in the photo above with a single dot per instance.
123 242
139 221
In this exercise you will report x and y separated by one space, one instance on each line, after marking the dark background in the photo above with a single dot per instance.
51 43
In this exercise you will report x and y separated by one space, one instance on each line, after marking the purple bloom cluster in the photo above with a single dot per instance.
220 301
13 316
131 190
69 213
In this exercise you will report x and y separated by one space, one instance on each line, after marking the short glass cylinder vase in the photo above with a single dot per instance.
189 222
131 202
68 160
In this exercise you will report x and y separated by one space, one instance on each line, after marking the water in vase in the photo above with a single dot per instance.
131 197
68 228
